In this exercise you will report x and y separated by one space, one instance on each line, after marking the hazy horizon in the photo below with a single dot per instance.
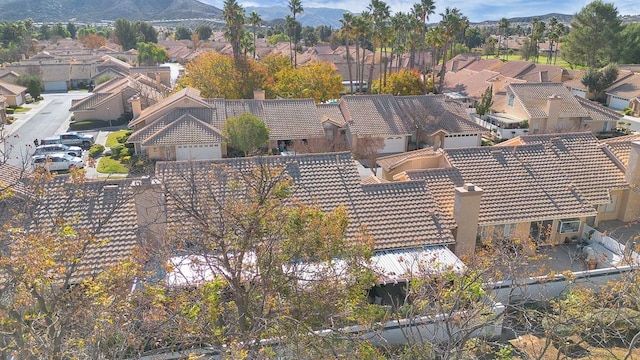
475 10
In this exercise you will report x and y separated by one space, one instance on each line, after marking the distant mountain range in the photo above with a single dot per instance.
149 10
98 10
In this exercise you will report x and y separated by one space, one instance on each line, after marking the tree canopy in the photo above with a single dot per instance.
317 80
246 133
594 38
151 54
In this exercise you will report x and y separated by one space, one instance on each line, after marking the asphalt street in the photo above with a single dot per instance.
47 118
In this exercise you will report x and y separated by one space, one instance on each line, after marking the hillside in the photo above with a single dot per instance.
97 10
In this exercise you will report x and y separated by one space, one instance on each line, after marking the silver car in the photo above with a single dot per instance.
58 148
57 162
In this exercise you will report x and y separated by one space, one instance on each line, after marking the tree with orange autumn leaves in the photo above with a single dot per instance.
219 76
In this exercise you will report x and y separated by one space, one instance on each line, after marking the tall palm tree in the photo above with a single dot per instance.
290 24
347 23
380 13
422 11
296 8
435 38
254 20
451 23
401 25
555 31
503 26
234 29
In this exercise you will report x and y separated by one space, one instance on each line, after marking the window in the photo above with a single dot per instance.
511 97
569 226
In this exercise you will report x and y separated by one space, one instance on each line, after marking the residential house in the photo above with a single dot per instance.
440 121
111 99
551 107
171 129
545 188
15 95
375 116
402 218
621 94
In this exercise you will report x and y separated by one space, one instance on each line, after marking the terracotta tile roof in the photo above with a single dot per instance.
521 184
485 64
598 112
206 115
544 73
331 113
390 162
441 183
372 179
438 113
397 215
628 88
185 130
534 96
374 115
12 179
11 89
90 102
580 158
470 84
621 146
286 119
186 95
105 210
515 68
461 61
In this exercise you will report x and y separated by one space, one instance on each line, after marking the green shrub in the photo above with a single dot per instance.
115 151
95 151
88 124
124 137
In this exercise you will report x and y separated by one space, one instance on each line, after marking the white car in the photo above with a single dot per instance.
57 162
58 148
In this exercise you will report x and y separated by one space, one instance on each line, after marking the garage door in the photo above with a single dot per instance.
198 152
618 103
393 144
55 86
580 93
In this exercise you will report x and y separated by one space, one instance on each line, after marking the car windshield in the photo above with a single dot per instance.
69 157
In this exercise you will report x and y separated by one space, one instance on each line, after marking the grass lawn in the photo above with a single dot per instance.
21 109
542 60
107 165
112 139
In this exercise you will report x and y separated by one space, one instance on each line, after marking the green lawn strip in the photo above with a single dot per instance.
107 165
112 139
21 109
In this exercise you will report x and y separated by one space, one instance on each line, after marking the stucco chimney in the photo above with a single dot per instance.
259 94
136 106
158 79
150 210
632 176
466 211
553 113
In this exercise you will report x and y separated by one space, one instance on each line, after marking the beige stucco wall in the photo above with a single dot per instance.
419 163
621 196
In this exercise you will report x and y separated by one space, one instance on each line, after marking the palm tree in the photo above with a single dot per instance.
451 23
555 31
380 13
347 23
254 20
234 29
435 37
290 24
503 25
400 23
422 11
296 8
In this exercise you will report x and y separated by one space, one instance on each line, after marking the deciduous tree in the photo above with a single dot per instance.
317 80
151 54
246 133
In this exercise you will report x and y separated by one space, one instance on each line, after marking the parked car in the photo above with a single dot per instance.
58 148
57 162
70 138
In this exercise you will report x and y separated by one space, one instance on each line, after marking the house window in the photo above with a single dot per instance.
611 207
569 226
511 97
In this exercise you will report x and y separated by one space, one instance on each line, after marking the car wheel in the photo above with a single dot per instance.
86 144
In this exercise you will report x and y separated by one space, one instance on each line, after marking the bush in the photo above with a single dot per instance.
119 151
95 151
88 124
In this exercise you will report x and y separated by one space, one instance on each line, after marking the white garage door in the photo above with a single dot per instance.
460 141
393 144
55 86
580 93
198 152
618 103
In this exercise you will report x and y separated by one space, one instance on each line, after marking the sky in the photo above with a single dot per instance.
475 10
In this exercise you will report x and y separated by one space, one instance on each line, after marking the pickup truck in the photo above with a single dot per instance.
71 139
